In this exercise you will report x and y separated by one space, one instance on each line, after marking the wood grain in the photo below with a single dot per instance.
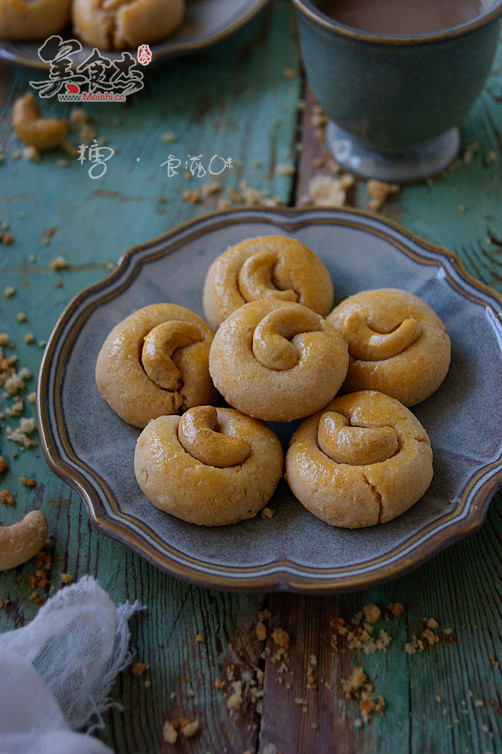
233 100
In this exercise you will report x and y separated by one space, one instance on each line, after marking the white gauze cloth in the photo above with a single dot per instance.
56 673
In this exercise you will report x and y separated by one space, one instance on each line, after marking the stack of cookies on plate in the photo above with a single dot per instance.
276 350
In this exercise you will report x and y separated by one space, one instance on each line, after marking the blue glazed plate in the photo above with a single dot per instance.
89 447
205 22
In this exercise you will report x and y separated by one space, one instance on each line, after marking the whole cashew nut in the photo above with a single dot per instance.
256 279
21 541
198 434
42 133
354 445
158 347
271 344
368 345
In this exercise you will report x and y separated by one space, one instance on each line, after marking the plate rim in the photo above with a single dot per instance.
276 577
159 51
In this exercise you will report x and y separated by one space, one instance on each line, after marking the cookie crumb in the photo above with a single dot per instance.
267 513
59 263
169 734
66 578
261 631
139 668
190 729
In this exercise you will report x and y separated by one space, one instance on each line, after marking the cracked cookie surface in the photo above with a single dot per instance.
363 460
212 466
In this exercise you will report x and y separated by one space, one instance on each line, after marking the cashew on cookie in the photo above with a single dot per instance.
155 362
267 267
397 344
277 360
211 466
363 460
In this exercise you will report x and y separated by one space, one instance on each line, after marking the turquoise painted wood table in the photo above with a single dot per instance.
259 673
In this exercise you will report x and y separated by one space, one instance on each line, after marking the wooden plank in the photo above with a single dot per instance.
448 697
206 100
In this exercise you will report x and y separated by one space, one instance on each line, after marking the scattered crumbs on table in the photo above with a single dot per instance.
288 73
4 466
21 316
379 192
211 188
139 668
190 729
261 631
66 578
169 734
27 482
169 137
218 684
20 433
432 623
286 170
200 638
267 512
29 338
31 153
59 263
6 498
396 609
193 197
7 238
147 684
9 291
490 157
328 191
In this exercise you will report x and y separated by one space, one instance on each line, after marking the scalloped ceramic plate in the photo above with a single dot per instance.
206 22
89 447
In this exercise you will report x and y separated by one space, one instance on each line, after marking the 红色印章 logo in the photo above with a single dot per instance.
95 79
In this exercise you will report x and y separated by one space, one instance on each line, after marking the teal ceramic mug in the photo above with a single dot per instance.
395 101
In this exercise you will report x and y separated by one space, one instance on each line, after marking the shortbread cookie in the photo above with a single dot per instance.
397 344
155 362
277 361
363 460
212 466
33 19
267 267
122 24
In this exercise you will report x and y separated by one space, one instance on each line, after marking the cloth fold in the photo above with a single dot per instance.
56 672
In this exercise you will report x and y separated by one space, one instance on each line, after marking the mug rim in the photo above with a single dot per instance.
312 12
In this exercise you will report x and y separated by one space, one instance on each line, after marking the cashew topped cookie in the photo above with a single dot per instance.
397 344
277 360
211 466
267 267
363 460
155 362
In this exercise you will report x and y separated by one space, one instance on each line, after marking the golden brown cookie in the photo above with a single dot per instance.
155 362
397 344
212 466
121 24
277 361
267 267
33 19
363 460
